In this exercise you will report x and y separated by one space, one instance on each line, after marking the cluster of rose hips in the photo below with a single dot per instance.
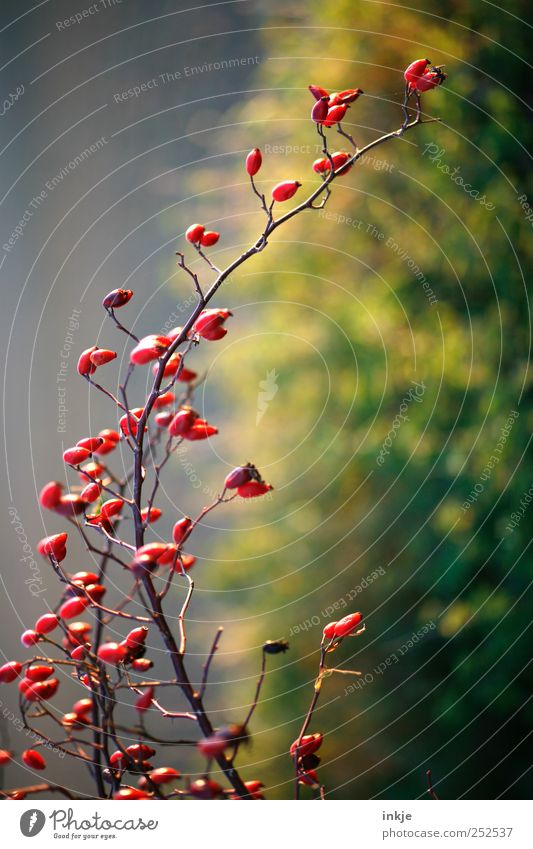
36 683
328 111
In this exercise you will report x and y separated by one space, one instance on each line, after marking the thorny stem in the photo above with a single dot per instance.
140 730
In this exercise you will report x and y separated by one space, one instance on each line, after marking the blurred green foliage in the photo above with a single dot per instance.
336 319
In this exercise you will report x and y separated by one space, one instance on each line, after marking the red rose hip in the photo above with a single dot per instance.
254 161
285 190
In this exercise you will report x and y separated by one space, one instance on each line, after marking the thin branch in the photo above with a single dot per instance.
257 690
91 548
207 664
104 391
33 789
431 790
128 598
111 314
194 277
169 714
347 136
169 451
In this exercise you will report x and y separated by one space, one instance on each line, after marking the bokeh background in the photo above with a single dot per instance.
334 334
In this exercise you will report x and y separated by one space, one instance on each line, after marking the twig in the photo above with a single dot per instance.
183 611
154 600
104 391
207 664
316 695
182 264
81 589
431 790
